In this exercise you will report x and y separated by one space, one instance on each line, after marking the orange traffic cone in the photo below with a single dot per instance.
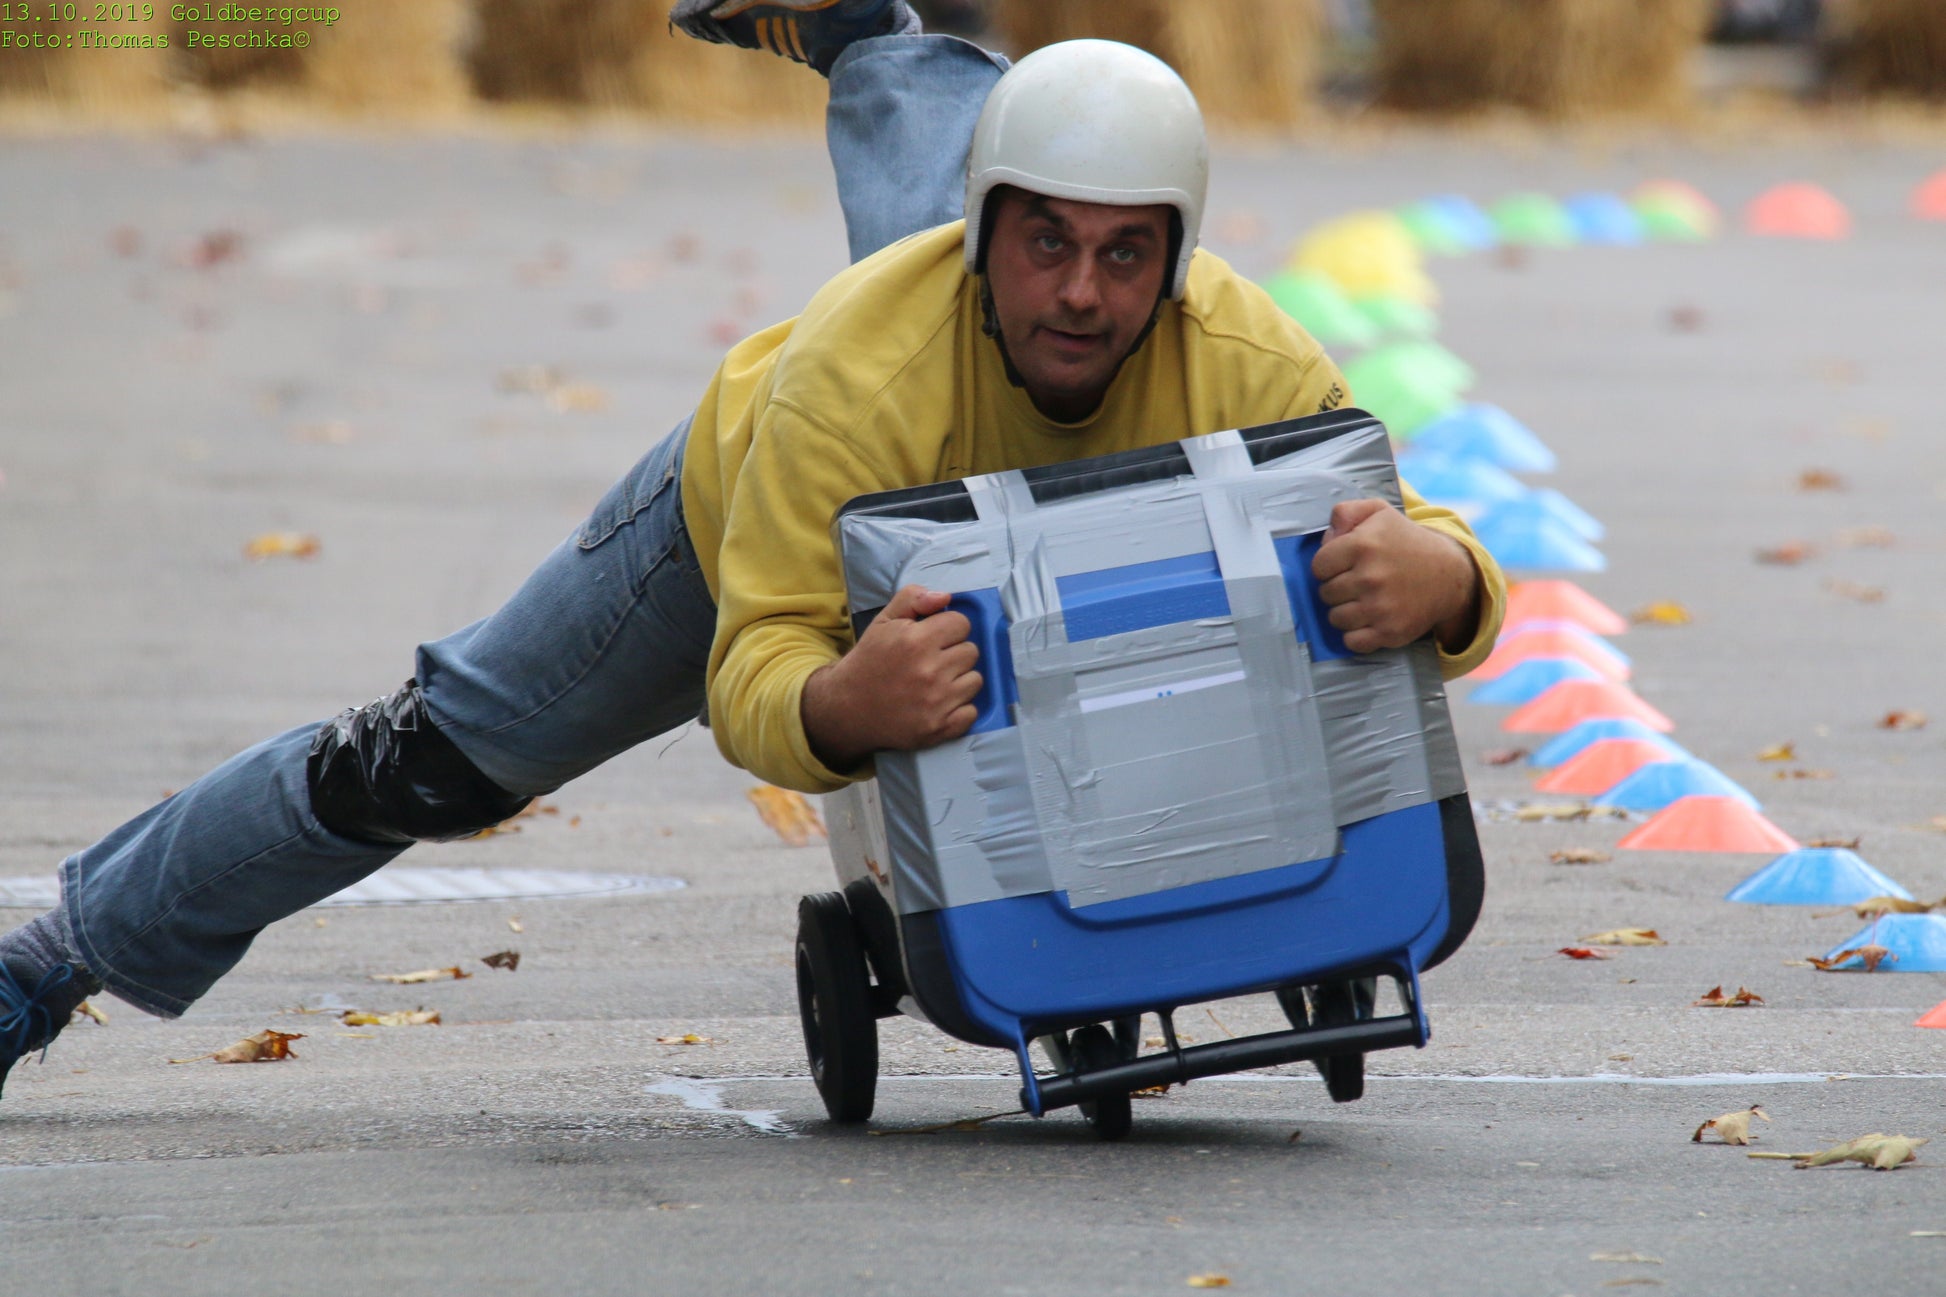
1557 600
1522 645
1797 211
1603 764
1708 824
1929 199
1570 702
1935 1016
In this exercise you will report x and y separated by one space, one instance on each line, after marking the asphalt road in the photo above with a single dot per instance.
352 365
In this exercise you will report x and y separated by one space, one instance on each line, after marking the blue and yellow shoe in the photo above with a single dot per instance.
805 31
29 1020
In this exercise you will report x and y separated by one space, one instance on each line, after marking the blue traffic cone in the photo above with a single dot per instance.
1535 542
1530 679
1816 876
1655 786
1604 218
1916 942
1584 524
1465 220
1458 478
1486 432
1568 743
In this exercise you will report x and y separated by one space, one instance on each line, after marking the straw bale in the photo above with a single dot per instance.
1895 47
1251 61
621 54
1555 58
90 82
379 55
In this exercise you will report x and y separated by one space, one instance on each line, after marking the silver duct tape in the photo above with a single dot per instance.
1075 796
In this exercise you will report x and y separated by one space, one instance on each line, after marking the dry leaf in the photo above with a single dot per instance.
789 816
1685 319
1625 1258
1550 811
1579 856
1502 756
1786 751
687 1038
1804 772
397 1018
1849 844
1879 1151
1867 538
1789 554
507 959
1150 1091
1858 593
1819 479
1902 720
282 544
422 975
1715 999
964 1123
87 1009
332 432
513 925
577 397
1937 824
1870 956
264 1047
1731 1127
1878 906
1582 952
1661 613
1626 937
1209 1281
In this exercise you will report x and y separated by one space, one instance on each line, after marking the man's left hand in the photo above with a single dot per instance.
1388 580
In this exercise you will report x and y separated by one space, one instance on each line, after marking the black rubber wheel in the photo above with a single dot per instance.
1110 1114
1338 1004
835 1001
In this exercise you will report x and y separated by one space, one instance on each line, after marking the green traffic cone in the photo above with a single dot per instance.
1407 384
1431 231
1536 220
1398 317
1317 303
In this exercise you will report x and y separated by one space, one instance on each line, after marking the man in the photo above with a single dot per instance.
1071 317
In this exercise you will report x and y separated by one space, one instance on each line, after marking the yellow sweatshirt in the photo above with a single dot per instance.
887 381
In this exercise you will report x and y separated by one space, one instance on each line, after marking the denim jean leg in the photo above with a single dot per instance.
605 646
899 125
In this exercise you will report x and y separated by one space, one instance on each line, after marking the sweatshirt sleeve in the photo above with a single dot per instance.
782 611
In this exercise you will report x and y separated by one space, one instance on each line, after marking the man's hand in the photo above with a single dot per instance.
1388 581
909 683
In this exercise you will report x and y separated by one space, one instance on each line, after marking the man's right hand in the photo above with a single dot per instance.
909 683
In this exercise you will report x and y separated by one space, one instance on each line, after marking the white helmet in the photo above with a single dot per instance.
1095 122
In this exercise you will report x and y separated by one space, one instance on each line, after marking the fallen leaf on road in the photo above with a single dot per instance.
507 959
332 432
1625 1258
1819 479
571 398
1731 1127
687 1038
1640 1280
212 249
1878 906
514 925
1626 937
422 975
264 1047
789 816
1856 592
1715 999
1789 554
1902 720
1870 956
1866 538
87 1009
1937 824
1582 952
1878 1151
964 1123
1502 756
1786 751
282 544
1849 844
397 1018
1579 856
1209 1281
1804 772
1661 613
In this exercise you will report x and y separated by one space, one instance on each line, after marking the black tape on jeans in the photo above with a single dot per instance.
384 773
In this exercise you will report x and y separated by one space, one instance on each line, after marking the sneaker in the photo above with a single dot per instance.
26 1021
805 31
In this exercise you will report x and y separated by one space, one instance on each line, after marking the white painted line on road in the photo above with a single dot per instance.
415 887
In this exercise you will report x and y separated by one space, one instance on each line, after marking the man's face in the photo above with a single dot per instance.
1073 286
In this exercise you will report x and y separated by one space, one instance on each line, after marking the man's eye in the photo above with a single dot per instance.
1047 243
1122 256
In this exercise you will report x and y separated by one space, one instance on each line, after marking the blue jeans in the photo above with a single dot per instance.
604 646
